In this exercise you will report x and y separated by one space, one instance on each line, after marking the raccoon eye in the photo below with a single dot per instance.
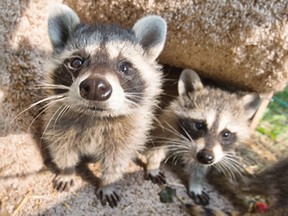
200 126
75 63
226 135
124 67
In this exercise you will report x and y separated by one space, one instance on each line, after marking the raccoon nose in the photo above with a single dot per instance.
205 156
95 89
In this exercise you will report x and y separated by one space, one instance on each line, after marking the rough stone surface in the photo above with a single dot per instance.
244 43
250 51
25 183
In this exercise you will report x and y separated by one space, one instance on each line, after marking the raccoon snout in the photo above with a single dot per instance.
205 156
95 89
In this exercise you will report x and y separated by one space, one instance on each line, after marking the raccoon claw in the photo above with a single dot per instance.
106 196
63 183
200 199
159 178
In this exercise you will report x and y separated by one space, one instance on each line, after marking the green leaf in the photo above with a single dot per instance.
167 195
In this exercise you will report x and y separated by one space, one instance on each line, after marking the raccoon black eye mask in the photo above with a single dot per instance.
103 89
201 127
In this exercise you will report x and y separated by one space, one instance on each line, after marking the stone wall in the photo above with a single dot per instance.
241 42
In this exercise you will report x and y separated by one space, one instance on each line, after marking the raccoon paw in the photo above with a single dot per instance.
199 199
63 182
156 177
108 195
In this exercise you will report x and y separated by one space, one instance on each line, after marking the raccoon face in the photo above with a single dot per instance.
212 119
104 69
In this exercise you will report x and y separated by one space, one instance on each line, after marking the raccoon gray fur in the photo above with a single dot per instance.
104 87
201 126
272 183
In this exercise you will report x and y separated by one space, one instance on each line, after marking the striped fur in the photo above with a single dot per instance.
201 128
78 119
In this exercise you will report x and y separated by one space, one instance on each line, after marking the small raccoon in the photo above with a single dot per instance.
103 90
272 182
201 127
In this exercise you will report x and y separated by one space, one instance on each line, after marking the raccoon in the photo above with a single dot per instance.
271 183
201 127
103 91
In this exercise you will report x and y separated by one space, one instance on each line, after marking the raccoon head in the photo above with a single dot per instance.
105 70
213 119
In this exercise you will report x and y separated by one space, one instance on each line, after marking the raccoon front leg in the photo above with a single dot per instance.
65 160
111 172
64 180
154 158
197 174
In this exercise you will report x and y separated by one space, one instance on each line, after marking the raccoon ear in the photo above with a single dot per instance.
151 33
61 23
189 81
251 103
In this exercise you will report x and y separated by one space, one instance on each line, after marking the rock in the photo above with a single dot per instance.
244 43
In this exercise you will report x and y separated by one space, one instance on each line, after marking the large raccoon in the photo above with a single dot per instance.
201 127
104 88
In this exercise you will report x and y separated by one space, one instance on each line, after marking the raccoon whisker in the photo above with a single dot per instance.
50 120
236 160
228 157
134 93
165 79
242 160
44 84
151 141
60 78
174 154
235 170
233 167
130 102
175 160
45 107
157 106
51 86
173 149
71 74
188 135
227 170
177 145
175 132
131 96
219 168
172 140
232 154
174 143
65 108
46 88
36 103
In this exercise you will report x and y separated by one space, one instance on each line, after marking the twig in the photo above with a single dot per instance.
126 208
23 201
175 184
180 199
67 206
76 194
154 211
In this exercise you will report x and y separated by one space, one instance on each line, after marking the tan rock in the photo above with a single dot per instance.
241 42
